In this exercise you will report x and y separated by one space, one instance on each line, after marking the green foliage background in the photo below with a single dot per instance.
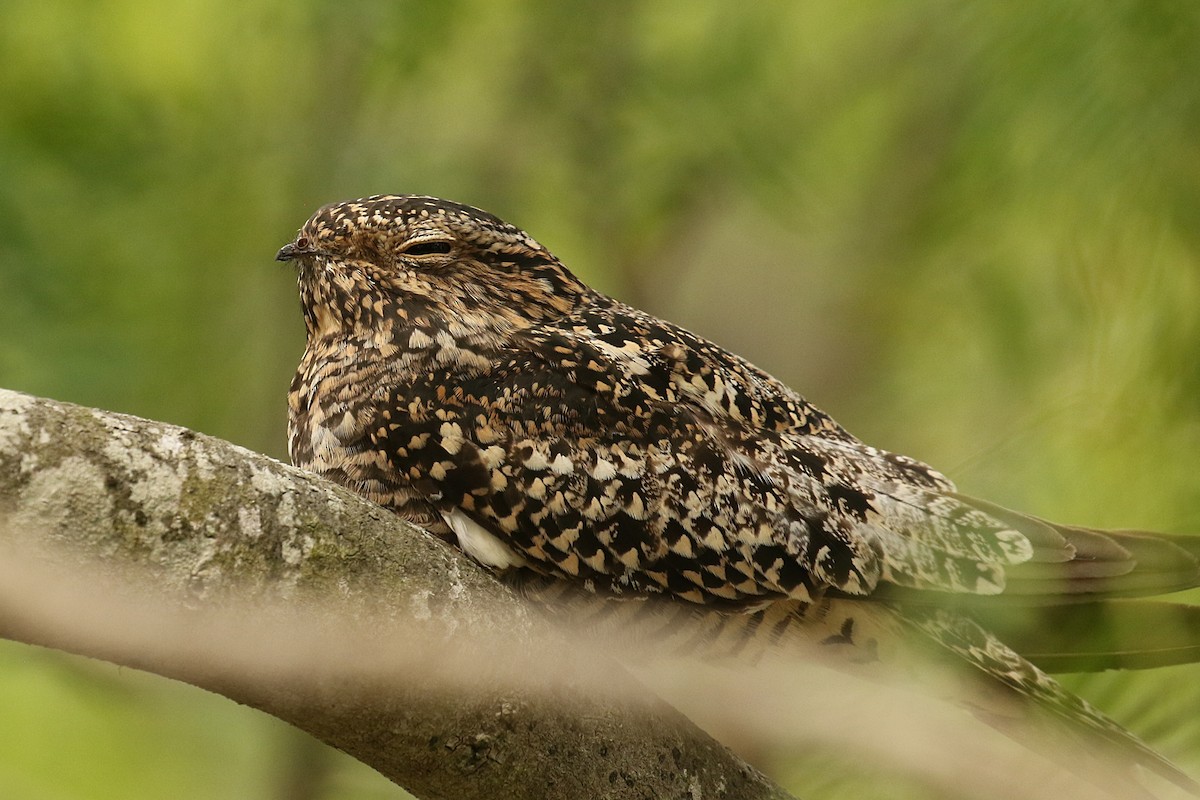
969 230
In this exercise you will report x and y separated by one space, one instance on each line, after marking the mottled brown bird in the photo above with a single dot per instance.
457 373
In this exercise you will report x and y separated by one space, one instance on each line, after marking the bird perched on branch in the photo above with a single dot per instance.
457 373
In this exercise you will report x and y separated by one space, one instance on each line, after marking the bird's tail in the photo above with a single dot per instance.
1035 691
886 643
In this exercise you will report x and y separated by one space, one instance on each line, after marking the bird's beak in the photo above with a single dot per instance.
288 252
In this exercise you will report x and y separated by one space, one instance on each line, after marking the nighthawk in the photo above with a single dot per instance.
458 374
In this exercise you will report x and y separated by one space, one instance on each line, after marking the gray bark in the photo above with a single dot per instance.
155 547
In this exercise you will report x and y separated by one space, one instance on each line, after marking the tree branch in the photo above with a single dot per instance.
155 547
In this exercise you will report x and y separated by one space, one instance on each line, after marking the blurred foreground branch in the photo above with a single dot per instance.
158 548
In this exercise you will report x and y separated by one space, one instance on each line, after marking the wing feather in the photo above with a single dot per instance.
618 449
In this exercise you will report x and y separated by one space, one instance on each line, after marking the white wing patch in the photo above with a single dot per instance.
481 545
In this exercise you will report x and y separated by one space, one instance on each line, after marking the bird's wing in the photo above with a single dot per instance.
553 464
624 451
1056 563
926 535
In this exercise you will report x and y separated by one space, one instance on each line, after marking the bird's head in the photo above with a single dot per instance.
402 262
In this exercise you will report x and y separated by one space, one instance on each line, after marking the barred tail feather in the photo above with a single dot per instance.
984 651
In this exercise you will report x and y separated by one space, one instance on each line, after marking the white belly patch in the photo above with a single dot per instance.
479 544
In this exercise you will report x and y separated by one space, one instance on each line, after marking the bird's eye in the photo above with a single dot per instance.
302 243
427 248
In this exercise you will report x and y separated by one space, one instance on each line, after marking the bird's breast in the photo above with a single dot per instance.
330 400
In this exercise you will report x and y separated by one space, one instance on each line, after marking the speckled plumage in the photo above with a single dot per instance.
457 373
